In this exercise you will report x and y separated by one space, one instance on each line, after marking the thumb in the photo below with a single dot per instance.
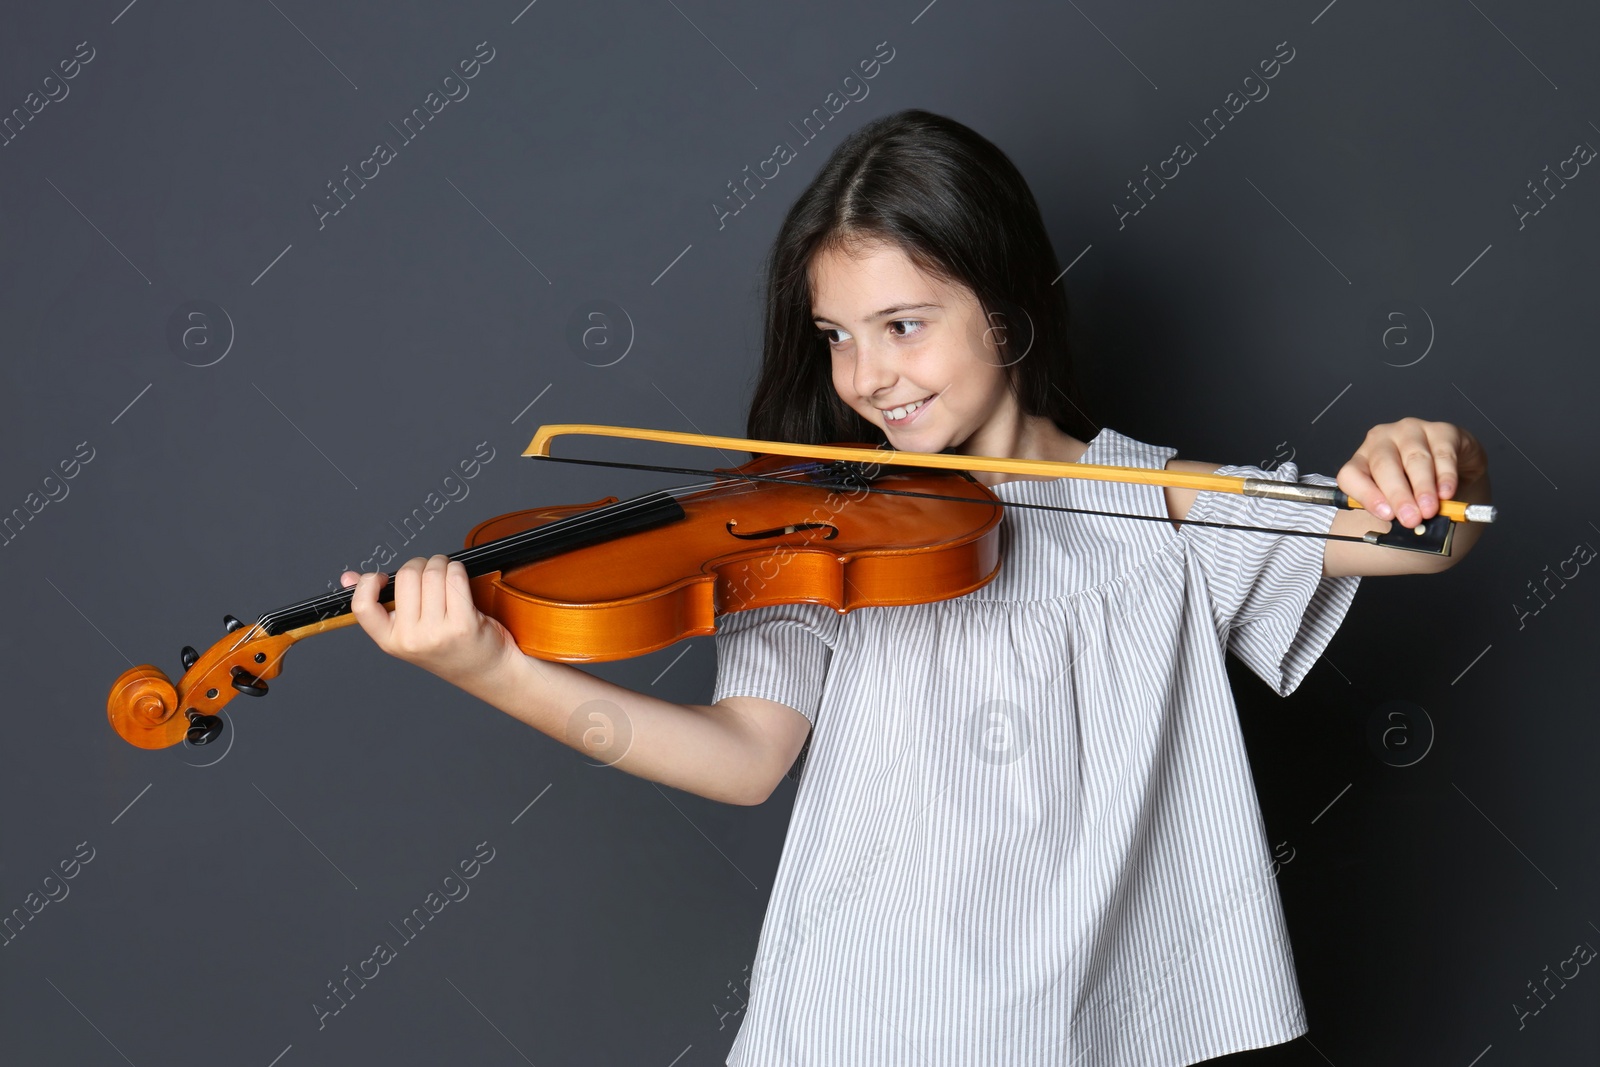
372 616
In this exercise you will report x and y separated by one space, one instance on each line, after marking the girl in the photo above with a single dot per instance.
1026 831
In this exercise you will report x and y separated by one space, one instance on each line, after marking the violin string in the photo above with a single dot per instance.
1000 503
342 597
578 522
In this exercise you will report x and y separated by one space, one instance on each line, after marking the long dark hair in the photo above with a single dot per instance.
961 211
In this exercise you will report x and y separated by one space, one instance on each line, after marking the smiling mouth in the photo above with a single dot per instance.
901 415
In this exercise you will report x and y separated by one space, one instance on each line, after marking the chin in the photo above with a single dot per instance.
925 439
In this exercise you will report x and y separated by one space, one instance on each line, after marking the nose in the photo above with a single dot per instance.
874 369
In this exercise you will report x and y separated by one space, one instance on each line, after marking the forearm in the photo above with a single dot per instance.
708 750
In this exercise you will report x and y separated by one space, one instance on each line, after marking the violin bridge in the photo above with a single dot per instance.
846 474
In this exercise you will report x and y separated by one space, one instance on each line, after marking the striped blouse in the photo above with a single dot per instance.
1026 832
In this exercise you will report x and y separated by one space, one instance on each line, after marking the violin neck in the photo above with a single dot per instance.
541 542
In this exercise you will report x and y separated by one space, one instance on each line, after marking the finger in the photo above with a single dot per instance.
349 578
1383 466
458 591
1402 465
1393 484
373 617
1447 446
1357 484
1416 459
433 589
408 594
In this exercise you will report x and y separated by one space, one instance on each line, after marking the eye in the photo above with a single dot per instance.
823 333
918 323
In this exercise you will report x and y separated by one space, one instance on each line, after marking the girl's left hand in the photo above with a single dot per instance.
1404 468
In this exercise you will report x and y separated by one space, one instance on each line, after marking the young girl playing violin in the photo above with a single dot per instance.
1026 831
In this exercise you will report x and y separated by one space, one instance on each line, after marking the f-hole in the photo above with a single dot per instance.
780 531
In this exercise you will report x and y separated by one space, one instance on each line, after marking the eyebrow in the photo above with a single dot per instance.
885 312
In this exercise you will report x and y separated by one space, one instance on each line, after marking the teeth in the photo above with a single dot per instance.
899 413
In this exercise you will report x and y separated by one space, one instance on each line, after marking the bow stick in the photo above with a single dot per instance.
1432 536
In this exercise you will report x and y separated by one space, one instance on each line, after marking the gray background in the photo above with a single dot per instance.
1245 315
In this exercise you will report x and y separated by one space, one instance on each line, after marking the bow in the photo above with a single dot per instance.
1432 536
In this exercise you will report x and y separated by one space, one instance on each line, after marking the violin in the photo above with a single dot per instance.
611 579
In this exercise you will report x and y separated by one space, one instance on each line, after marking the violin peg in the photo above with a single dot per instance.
203 729
248 684
189 655
230 624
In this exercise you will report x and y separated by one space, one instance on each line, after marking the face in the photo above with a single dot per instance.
899 338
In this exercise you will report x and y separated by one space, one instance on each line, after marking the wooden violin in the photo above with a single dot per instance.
616 578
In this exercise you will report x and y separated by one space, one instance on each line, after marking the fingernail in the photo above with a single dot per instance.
1384 510
1426 500
1409 515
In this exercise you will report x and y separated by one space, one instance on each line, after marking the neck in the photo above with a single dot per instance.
1013 435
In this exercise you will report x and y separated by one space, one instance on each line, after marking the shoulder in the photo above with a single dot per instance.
1120 449
1178 500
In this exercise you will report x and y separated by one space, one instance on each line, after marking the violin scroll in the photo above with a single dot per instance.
144 705
142 700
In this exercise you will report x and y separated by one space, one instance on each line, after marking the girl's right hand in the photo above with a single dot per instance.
434 623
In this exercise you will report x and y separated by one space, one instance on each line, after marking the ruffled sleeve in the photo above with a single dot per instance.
1269 598
780 653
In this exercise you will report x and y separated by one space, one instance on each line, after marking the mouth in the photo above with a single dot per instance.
907 414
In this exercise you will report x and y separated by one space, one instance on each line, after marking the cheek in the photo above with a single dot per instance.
974 390
969 379
842 380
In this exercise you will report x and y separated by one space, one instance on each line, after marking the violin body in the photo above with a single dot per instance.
616 578
762 544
